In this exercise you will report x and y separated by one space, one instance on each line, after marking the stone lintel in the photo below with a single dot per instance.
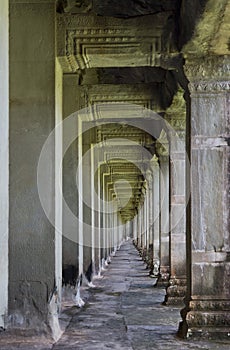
90 41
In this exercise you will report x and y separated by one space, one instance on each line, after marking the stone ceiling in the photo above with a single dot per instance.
126 52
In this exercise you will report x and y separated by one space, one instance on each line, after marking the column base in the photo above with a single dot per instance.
154 272
137 244
149 257
163 279
175 292
208 319
144 254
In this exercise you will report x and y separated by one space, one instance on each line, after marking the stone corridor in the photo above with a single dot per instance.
114 123
124 312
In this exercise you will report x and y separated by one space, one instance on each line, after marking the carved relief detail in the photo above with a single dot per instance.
212 305
142 96
89 46
209 86
92 41
208 319
210 73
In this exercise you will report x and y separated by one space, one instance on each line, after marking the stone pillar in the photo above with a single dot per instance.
146 204
80 203
58 178
163 153
143 223
101 212
4 160
156 216
105 214
70 246
110 221
207 313
134 229
87 203
99 221
115 243
105 196
32 117
120 230
176 116
117 230
149 203
139 220
93 211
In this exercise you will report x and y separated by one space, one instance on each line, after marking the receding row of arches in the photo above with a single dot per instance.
114 126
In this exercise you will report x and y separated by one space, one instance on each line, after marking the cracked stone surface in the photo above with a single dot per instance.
123 312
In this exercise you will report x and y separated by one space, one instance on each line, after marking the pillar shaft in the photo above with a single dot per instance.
149 203
144 227
208 308
87 202
70 245
176 116
156 216
58 177
139 219
4 160
164 220
177 283
32 118
93 211
135 229
99 219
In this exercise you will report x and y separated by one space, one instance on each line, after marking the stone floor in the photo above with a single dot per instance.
123 312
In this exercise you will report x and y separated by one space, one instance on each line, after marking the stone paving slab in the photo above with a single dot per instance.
123 312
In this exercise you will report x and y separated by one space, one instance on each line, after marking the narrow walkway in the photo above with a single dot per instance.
124 312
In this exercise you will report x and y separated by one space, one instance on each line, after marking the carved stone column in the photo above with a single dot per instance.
139 219
4 160
149 178
156 216
32 243
162 148
142 210
135 229
208 308
176 116
70 247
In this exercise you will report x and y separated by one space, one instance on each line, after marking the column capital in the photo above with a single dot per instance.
208 74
